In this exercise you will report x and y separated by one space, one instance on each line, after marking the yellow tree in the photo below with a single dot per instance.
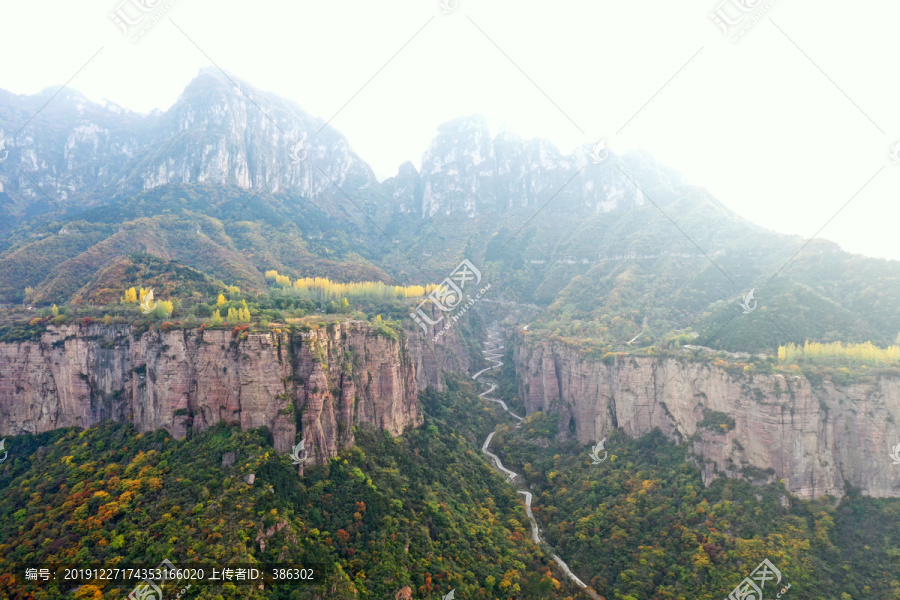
164 309
222 300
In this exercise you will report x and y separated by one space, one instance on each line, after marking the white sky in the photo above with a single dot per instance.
755 122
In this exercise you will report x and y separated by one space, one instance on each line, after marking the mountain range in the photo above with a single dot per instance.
614 250
632 311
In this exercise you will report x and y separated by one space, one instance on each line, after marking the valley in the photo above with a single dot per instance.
218 346
492 345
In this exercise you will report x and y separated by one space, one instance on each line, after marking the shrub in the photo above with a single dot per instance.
715 420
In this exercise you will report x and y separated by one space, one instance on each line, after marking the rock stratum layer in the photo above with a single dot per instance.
319 382
814 437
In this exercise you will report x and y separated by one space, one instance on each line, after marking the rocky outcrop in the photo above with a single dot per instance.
436 352
814 437
467 172
320 382
349 375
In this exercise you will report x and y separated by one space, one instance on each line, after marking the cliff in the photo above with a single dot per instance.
434 353
320 382
814 437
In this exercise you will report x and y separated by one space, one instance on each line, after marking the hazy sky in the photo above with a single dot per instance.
785 126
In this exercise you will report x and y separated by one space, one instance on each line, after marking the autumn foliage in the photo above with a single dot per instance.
323 289
839 354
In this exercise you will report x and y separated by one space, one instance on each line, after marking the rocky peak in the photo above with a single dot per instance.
66 148
458 168
466 172
405 189
465 139
221 130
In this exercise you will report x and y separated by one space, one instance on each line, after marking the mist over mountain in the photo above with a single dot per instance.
264 345
549 226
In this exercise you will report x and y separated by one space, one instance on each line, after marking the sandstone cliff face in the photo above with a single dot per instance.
321 382
813 437
435 353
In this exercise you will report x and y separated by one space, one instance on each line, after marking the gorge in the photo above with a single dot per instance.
814 437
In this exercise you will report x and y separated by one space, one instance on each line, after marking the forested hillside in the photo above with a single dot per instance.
643 524
422 510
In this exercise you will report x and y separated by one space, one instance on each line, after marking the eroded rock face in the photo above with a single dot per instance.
435 353
321 382
813 437
349 375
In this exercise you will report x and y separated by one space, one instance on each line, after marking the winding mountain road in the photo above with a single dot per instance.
500 402
510 474
493 355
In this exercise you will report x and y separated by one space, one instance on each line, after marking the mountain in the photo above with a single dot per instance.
186 296
621 248
466 173
93 183
220 131
191 225
63 149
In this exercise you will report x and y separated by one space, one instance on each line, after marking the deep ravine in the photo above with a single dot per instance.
492 354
